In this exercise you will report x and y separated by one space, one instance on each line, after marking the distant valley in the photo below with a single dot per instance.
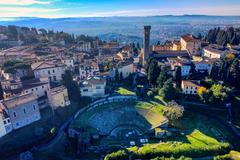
129 29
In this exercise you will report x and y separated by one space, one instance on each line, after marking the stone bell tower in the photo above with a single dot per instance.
146 43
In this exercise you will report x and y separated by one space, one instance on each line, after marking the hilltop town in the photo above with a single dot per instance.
78 96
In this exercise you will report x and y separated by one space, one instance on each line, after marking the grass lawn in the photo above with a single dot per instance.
124 91
198 145
233 155
160 99
237 98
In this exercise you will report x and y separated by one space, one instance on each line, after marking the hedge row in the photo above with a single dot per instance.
169 149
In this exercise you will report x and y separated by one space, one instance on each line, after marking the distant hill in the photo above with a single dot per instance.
124 39
163 27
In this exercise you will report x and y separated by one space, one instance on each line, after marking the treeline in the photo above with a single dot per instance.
227 70
33 35
224 36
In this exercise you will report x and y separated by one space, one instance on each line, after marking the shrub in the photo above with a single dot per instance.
119 155
150 94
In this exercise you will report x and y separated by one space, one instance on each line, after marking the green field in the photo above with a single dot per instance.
124 91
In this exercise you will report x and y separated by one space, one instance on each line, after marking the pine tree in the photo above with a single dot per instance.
1 92
73 89
192 70
178 77
153 72
162 77
234 72
121 77
117 76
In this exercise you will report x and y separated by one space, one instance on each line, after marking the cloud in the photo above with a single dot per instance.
26 11
224 11
23 2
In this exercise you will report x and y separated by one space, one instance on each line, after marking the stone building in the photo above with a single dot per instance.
58 97
22 109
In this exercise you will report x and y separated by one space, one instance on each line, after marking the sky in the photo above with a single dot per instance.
103 8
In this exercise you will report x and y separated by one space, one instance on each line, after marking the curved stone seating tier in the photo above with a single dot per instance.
109 119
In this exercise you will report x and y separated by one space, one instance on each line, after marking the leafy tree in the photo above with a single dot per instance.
173 111
220 93
230 56
73 88
12 32
178 77
199 36
203 93
168 92
121 77
150 94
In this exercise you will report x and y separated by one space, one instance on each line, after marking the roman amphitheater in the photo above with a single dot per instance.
120 117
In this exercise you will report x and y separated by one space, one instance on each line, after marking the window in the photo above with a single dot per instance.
8 120
36 89
42 86
14 114
4 122
53 71
34 107
49 72
32 89
24 110
85 90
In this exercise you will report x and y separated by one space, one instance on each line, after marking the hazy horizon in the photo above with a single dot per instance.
109 8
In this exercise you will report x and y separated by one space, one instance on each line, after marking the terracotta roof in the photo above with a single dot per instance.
31 83
170 54
191 83
93 81
214 50
57 90
176 42
45 64
189 38
17 100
